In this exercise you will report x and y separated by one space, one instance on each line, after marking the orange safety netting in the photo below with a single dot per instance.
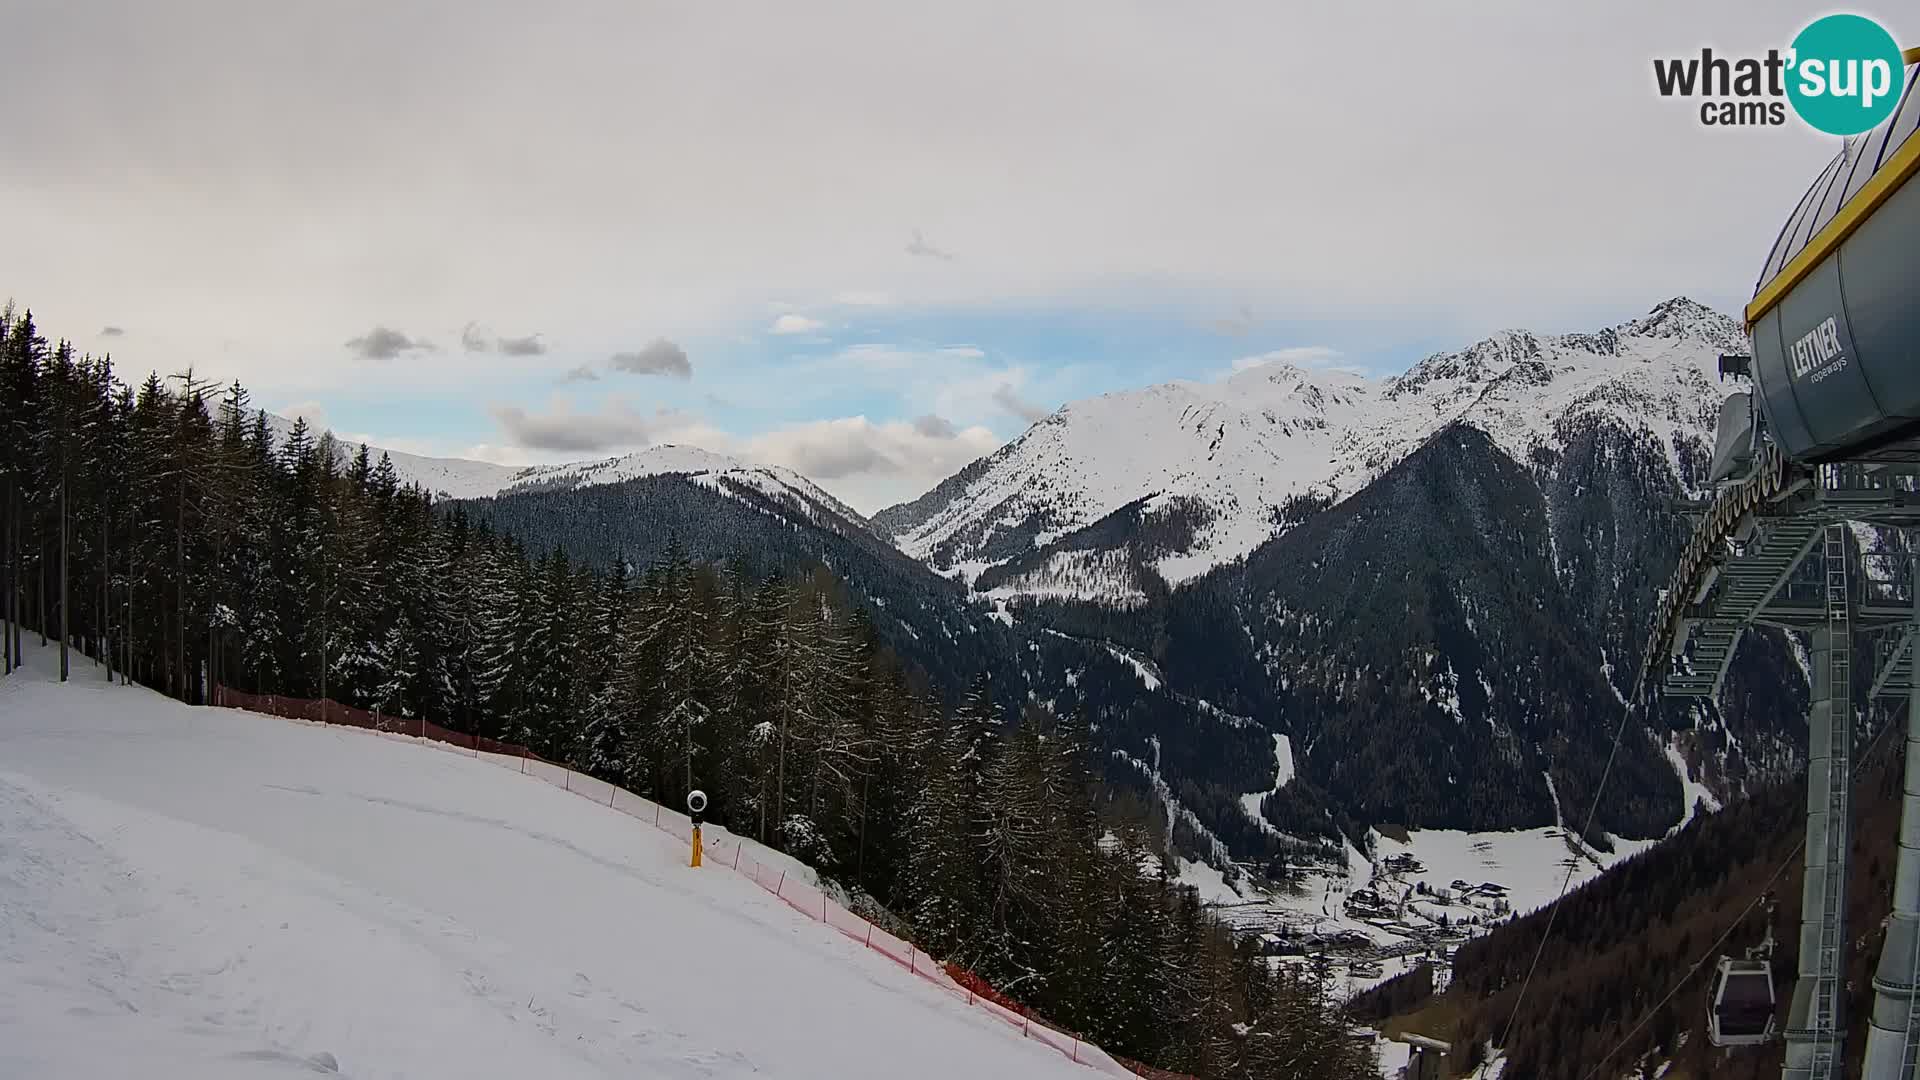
720 848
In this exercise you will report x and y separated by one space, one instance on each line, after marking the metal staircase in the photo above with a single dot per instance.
1815 1027
1741 589
1894 670
1826 1019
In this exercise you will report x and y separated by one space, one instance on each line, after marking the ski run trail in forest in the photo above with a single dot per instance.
205 894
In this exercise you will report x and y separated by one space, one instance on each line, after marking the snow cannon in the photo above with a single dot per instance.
1834 323
696 805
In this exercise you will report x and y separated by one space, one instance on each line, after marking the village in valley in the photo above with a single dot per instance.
1360 924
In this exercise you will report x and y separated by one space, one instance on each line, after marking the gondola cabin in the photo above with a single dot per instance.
1742 1013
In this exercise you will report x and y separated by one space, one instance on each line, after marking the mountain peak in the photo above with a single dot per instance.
664 459
1684 317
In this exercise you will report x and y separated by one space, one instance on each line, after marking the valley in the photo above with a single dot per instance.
1510 496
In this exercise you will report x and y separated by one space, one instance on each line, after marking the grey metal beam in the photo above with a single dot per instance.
1893 1032
1816 1023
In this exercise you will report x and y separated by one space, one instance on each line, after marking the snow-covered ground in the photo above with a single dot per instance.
1694 793
1209 882
1283 772
1530 864
205 894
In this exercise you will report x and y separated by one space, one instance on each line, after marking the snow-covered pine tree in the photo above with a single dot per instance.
599 734
502 600
461 631
941 881
687 671
347 578
542 711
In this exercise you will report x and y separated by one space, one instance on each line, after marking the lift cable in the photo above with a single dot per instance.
1859 770
1573 864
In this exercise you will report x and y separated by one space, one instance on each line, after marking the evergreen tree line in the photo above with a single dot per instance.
165 536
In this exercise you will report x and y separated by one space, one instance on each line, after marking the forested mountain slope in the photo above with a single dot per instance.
1450 583
1622 942
1446 648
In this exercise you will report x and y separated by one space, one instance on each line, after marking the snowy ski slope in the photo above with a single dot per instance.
205 894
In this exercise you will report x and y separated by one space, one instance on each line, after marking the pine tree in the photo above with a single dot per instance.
942 887
681 639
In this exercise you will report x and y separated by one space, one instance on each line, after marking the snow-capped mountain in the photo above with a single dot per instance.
461 478
444 478
1213 470
715 471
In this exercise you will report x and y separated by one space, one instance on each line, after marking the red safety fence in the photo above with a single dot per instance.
328 711
745 857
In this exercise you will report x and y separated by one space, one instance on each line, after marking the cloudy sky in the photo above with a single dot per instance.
868 240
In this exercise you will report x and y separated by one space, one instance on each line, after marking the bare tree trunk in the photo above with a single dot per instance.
860 860
66 622
786 705
213 608
106 582
6 579
40 553
180 589
126 624
325 595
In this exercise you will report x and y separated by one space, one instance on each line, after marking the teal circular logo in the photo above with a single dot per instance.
1845 75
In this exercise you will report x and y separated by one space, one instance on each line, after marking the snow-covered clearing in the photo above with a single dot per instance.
1211 883
1283 772
205 893
1693 792
1530 864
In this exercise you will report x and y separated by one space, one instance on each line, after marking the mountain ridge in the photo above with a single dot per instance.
1233 453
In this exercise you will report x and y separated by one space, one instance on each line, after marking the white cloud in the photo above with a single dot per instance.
871 465
386 343
876 356
312 411
659 357
561 429
311 206
792 323
1009 399
865 463
1307 356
